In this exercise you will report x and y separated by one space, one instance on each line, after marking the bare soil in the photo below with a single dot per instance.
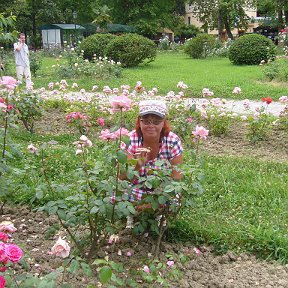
204 270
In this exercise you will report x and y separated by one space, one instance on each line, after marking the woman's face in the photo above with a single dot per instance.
151 125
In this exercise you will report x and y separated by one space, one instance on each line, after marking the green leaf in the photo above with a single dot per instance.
169 188
39 194
131 209
94 210
52 210
86 269
74 266
99 261
122 156
105 274
61 214
162 199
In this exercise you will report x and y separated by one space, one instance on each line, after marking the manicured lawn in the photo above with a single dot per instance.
217 74
244 207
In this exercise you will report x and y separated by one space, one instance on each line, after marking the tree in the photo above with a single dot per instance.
7 32
146 16
274 8
222 14
103 16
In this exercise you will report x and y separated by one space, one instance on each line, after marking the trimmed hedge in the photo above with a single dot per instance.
200 46
96 44
251 49
131 49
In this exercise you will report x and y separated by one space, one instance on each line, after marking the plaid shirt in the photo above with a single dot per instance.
169 148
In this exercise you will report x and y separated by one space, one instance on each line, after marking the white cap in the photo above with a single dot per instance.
156 107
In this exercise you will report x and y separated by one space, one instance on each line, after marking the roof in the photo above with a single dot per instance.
119 28
61 27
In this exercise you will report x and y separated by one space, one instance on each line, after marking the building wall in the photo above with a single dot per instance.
192 19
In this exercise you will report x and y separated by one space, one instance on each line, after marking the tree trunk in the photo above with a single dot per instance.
227 27
220 25
280 18
34 29
286 16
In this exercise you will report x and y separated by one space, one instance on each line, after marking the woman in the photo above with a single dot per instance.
151 141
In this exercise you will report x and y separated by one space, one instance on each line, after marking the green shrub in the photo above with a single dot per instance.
95 44
277 70
35 62
200 46
131 49
251 49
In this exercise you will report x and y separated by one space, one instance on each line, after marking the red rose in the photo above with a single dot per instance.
268 100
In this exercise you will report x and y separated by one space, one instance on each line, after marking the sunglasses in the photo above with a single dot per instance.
151 121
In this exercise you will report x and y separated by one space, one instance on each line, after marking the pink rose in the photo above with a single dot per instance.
3 237
2 282
8 82
13 252
101 121
3 256
107 135
146 269
122 131
61 248
120 102
200 132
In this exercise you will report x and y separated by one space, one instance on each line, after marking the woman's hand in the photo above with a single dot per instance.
142 156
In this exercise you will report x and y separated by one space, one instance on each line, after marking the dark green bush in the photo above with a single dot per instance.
95 44
251 49
131 49
200 46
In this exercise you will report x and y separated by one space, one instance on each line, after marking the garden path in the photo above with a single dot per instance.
230 105
237 106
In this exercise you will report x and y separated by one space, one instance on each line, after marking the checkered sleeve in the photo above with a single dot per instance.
134 143
174 144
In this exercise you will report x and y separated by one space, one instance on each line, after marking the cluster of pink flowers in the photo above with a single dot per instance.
76 116
4 106
8 82
8 252
182 85
82 143
283 99
139 88
207 93
236 90
107 135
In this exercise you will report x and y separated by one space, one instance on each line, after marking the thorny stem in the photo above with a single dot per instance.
71 235
162 229
118 168
5 135
197 149
44 172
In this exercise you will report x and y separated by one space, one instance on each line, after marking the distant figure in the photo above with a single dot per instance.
21 52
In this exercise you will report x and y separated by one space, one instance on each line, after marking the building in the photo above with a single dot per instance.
191 18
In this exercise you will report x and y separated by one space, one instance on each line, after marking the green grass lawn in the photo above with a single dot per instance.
244 208
217 74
